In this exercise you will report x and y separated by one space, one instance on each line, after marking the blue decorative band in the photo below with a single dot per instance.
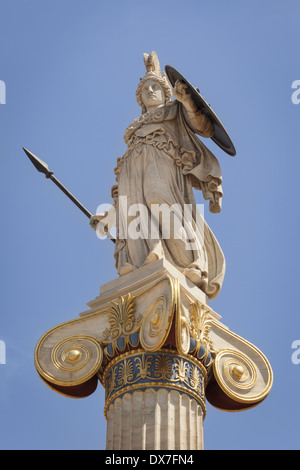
138 370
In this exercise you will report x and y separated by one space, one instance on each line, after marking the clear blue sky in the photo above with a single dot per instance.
71 69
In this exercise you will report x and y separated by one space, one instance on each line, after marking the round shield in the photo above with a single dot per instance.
220 137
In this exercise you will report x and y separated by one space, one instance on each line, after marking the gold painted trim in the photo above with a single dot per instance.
179 320
137 352
236 396
169 321
163 385
69 382
71 367
238 382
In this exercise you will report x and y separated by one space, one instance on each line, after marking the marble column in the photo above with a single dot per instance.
155 420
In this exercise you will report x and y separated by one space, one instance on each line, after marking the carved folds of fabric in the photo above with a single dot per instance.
183 146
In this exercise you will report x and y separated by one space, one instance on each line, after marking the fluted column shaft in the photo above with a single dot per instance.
154 419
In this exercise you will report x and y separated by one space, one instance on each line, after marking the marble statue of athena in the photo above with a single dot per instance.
164 161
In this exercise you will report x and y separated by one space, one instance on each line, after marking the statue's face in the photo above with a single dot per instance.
153 94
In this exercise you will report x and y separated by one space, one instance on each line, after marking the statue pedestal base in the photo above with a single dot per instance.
159 350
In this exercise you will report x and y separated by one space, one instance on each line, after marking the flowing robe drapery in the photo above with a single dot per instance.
165 160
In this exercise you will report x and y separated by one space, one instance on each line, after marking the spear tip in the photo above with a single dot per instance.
37 162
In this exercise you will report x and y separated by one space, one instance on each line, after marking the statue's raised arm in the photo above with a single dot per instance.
199 121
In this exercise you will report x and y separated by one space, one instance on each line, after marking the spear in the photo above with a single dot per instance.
42 167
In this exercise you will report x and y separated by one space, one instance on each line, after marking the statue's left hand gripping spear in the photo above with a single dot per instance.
42 167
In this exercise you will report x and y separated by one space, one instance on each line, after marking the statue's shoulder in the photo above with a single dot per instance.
136 124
